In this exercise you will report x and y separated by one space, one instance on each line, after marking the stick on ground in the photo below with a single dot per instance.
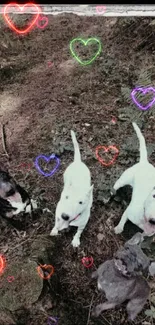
3 140
90 309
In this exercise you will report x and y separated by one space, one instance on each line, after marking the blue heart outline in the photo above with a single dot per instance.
49 320
47 159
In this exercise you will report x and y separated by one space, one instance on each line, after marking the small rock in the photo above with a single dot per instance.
46 210
87 124
100 237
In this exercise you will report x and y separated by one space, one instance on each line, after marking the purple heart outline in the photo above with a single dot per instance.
144 91
52 318
47 160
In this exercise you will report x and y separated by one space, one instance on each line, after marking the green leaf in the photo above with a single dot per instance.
153 309
153 299
148 312
144 78
152 22
126 93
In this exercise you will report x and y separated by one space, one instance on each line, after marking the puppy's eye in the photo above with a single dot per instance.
154 195
66 197
80 202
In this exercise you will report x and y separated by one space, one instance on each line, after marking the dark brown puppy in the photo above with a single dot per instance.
13 198
122 279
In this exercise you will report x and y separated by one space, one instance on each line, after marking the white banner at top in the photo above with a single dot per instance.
88 10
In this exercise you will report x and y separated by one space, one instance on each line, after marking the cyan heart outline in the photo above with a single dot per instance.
144 91
47 159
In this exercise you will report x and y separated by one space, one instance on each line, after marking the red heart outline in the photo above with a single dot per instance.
106 149
21 9
87 259
45 267
42 18
27 166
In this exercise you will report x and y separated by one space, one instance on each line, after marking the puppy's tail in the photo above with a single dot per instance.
77 156
142 149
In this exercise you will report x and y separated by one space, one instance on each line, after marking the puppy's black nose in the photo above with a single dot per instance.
152 221
64 216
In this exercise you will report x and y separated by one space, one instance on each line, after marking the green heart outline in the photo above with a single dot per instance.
85 43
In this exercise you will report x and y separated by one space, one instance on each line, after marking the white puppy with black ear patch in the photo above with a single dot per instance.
73 208
141 176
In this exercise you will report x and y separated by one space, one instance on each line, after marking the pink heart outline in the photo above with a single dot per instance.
40 19
85 259
50 64
100 9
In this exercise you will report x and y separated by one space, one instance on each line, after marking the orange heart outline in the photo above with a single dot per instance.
21 8
87 259
2 264
106 149
45 266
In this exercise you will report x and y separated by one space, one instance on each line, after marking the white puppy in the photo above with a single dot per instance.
73 208
141 176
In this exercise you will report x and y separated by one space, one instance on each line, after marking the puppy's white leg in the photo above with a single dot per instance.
125 179
84 216
54 231
76 238
137 239
122 222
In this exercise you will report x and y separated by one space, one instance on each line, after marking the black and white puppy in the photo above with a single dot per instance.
121 279
13 198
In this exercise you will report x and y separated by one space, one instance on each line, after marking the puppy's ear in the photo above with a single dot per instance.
136 239
91 189
94 275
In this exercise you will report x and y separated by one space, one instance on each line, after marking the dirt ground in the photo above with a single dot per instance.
44 93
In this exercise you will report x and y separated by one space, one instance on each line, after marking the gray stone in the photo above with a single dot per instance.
24 290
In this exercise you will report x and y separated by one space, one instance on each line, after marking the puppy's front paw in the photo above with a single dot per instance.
34 204
54 232
118 230
75 242
96 311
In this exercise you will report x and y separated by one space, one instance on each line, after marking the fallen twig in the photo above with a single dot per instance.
113 236
90 310
3 140
13 248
